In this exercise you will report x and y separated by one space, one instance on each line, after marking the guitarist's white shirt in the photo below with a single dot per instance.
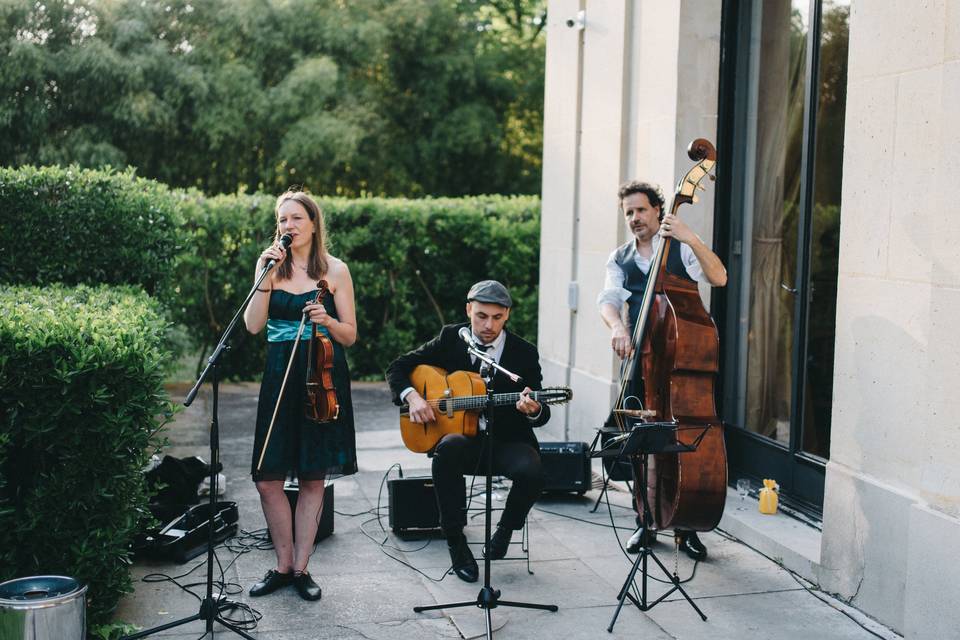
496 350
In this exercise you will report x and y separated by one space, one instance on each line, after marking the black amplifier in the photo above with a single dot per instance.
412 503
325 528
566 466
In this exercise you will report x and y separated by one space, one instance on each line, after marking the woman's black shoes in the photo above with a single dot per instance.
271 582
305 586
301 581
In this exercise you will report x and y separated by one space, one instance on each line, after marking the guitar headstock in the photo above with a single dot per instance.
555 395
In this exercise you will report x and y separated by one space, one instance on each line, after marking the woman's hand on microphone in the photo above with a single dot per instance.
273 252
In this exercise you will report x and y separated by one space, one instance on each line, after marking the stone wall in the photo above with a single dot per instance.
892 502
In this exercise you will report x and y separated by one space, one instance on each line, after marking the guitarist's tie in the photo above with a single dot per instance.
475 360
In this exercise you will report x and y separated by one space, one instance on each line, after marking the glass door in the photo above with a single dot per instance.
783 83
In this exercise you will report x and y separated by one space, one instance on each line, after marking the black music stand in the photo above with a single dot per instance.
488 598
643 439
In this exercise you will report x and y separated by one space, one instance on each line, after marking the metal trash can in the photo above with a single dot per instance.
43 608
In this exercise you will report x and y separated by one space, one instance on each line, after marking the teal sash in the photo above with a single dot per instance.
284 330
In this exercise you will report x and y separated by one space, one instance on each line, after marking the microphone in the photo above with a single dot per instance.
285 241
467 337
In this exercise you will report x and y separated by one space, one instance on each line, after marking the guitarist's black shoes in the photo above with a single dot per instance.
690 544
461 558
499 543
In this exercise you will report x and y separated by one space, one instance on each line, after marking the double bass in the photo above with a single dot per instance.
676 357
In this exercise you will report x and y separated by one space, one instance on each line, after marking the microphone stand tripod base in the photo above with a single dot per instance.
488 598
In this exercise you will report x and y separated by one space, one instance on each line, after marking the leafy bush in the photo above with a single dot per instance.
412 262
86 227
82 376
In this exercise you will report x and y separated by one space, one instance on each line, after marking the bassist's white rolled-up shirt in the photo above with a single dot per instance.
614 293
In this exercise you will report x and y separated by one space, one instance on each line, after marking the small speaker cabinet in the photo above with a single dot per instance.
325 529
413 504
566 466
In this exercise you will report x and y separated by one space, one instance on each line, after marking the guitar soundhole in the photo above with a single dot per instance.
442 405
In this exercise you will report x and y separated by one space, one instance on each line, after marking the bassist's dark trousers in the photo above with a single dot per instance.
457 455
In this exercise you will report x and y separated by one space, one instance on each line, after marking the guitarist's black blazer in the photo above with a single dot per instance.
449 352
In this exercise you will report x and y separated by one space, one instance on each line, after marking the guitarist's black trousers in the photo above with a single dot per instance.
457 455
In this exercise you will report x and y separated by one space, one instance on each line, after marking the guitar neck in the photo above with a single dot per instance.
479 402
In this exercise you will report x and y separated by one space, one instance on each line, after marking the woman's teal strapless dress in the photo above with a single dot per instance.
311 451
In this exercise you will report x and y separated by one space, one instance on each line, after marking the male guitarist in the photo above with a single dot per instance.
516 453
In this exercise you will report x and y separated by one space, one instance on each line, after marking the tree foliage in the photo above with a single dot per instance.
377 97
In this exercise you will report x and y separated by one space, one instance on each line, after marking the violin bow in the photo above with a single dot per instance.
283 385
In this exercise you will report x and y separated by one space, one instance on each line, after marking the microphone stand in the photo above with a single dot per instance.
210 607
488 598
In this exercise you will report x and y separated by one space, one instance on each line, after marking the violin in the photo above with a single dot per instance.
320 403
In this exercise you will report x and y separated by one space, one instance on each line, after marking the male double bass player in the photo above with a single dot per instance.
516 453
627 270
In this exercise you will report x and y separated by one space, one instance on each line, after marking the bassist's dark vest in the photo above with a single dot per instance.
635 281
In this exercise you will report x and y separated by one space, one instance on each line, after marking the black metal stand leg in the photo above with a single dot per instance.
625 589
488 598
641 564
603 491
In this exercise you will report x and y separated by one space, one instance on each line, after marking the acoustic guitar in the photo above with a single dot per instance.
458 398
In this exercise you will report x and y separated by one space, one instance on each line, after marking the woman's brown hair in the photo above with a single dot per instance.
317 262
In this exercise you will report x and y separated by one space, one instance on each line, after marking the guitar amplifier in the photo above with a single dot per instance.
566 466
412 503
325 529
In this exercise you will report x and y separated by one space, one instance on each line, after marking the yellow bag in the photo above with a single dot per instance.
768 496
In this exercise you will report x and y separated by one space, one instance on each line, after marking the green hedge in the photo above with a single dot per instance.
82 374
412 262
79 226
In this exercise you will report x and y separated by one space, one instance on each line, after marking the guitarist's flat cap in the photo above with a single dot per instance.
490 291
